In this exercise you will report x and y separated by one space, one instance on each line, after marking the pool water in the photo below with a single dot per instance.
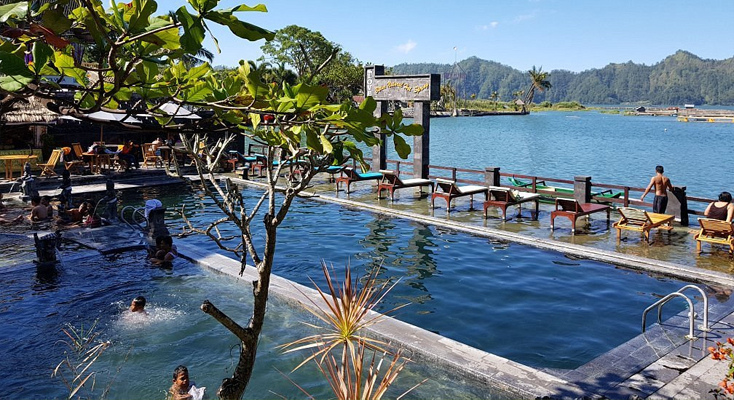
536 307
36 303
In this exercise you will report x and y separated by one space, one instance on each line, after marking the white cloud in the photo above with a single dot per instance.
406 47
489 26
525 17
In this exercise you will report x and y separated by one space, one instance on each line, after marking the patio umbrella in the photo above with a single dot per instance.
104 116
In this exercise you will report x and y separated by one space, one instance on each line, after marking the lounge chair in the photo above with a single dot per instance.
452 191
47 168
349 175
73 166
149 155
634 219
390 181
715 231
505 197
572 210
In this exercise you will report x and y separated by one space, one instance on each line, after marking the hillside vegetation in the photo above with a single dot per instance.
678 79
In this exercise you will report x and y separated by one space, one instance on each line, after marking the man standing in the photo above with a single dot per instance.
661 183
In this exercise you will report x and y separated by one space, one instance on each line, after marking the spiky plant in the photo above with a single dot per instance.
347 312
74 369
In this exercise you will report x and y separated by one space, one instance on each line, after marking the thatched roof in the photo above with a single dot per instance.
31 112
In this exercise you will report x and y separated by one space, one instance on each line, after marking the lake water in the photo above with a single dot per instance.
611 148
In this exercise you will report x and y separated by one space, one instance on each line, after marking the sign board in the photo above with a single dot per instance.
402 87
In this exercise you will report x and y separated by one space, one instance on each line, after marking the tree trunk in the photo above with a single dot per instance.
233 388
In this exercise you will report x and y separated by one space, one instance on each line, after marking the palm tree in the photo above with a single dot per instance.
538 81
494 97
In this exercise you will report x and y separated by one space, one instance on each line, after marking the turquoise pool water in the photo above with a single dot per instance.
36 303
536 307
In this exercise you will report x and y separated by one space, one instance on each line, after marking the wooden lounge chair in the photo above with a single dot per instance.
149 155
572 210
715 231
390 182
505 197
634 219
452 191
349 175
47 168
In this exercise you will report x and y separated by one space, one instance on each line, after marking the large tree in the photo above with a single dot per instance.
140 58
316 60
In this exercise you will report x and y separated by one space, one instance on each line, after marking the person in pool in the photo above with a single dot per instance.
138 305
165 250
181 385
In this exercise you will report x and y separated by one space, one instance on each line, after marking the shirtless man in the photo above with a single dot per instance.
661 183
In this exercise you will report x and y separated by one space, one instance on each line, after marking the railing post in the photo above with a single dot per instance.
626 196
397 168
582 189
453 174
492 176
535 184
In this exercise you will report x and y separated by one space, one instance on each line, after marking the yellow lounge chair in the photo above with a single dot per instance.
634 219
715 231
50 164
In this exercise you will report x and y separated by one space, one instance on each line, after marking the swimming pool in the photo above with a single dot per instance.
535 307
36 303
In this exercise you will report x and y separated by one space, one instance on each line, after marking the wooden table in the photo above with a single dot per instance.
21 158
96 161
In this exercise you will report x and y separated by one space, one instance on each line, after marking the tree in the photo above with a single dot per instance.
141 65
538 81
316 60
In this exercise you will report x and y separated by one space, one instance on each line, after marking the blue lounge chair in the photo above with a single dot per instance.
350 175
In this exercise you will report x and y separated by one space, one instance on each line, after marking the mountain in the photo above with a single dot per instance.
678 79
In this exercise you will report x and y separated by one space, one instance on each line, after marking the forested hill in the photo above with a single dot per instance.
679 79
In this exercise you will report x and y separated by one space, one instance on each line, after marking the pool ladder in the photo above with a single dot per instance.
136 217
691 315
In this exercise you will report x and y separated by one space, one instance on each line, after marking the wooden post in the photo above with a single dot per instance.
582 189
421 144
492 176
626 196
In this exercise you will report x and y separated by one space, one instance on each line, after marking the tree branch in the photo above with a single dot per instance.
242 333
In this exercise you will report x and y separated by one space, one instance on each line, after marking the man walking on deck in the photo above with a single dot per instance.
661 183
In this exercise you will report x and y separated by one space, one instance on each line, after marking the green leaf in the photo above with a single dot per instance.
65 64
13 10
328 148
401 147
41 54
239 28
411 130
198 92
313 141
16 74
203 5
309 96
193 30
168 39
147 71
368 104
242 7
255 120
198 72
141 11
56 21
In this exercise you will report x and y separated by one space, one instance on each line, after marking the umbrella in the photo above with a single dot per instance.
104 116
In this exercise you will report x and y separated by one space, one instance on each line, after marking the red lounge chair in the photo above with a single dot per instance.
451 191
572 210
350 175
505 197
390 182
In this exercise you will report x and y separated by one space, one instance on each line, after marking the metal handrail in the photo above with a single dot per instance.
705 326
664 300
135 210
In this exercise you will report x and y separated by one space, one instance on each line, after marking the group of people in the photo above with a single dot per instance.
126 154
722 209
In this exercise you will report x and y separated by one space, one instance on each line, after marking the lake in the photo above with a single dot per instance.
611 148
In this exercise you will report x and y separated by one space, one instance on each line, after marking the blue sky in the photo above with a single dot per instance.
575 35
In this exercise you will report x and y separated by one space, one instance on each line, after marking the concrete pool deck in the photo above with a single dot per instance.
658 365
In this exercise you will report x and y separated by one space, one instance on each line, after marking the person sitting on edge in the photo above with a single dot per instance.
39 212
166 251
661 183
722 209
138 305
